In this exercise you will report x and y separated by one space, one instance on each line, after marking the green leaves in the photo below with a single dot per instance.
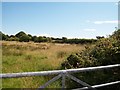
105 51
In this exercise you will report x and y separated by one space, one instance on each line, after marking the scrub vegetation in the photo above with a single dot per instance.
31 56
106 51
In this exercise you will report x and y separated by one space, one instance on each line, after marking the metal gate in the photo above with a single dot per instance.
63 74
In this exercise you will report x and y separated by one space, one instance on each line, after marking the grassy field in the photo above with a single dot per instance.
27 57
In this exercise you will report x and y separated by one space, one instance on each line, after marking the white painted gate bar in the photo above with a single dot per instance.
54 72
63 74
98 86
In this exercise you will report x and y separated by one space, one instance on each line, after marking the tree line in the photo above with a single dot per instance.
23 37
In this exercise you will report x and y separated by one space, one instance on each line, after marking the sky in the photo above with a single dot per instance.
60 19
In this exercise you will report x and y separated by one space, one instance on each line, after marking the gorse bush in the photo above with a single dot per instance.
106 51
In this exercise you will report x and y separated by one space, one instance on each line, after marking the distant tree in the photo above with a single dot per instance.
100 37
12 36
21 33
64 39
30 36
34 38
42 39
49 39
24 38
13 39
0 35
3 36
52 38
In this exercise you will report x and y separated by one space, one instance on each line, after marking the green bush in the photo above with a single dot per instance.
13 39
21 33
3 36
24 38
106 51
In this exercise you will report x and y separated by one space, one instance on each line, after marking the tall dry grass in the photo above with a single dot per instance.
30 56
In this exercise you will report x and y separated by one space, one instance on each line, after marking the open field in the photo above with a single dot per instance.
27 57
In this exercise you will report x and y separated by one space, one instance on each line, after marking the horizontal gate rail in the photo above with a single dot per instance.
62 74
55 72
98 86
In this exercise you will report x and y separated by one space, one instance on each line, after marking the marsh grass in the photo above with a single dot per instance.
31 57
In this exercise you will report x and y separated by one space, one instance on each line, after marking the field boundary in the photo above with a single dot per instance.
62 74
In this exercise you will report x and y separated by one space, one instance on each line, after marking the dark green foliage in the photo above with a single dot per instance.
21 33
3 36
100 37
34 38
24 38
72 62
13 39
106 51
96 78
49 39
30 37
40 39
75 41
64 39
80 41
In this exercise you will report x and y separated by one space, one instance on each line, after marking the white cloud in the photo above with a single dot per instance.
90 29
106 22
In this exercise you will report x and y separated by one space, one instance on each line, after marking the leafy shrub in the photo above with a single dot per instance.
3 36
21 33
13 39
106 51
24 38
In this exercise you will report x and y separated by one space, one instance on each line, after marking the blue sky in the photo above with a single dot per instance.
60 19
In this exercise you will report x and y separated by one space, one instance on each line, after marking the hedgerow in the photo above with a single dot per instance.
106 51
